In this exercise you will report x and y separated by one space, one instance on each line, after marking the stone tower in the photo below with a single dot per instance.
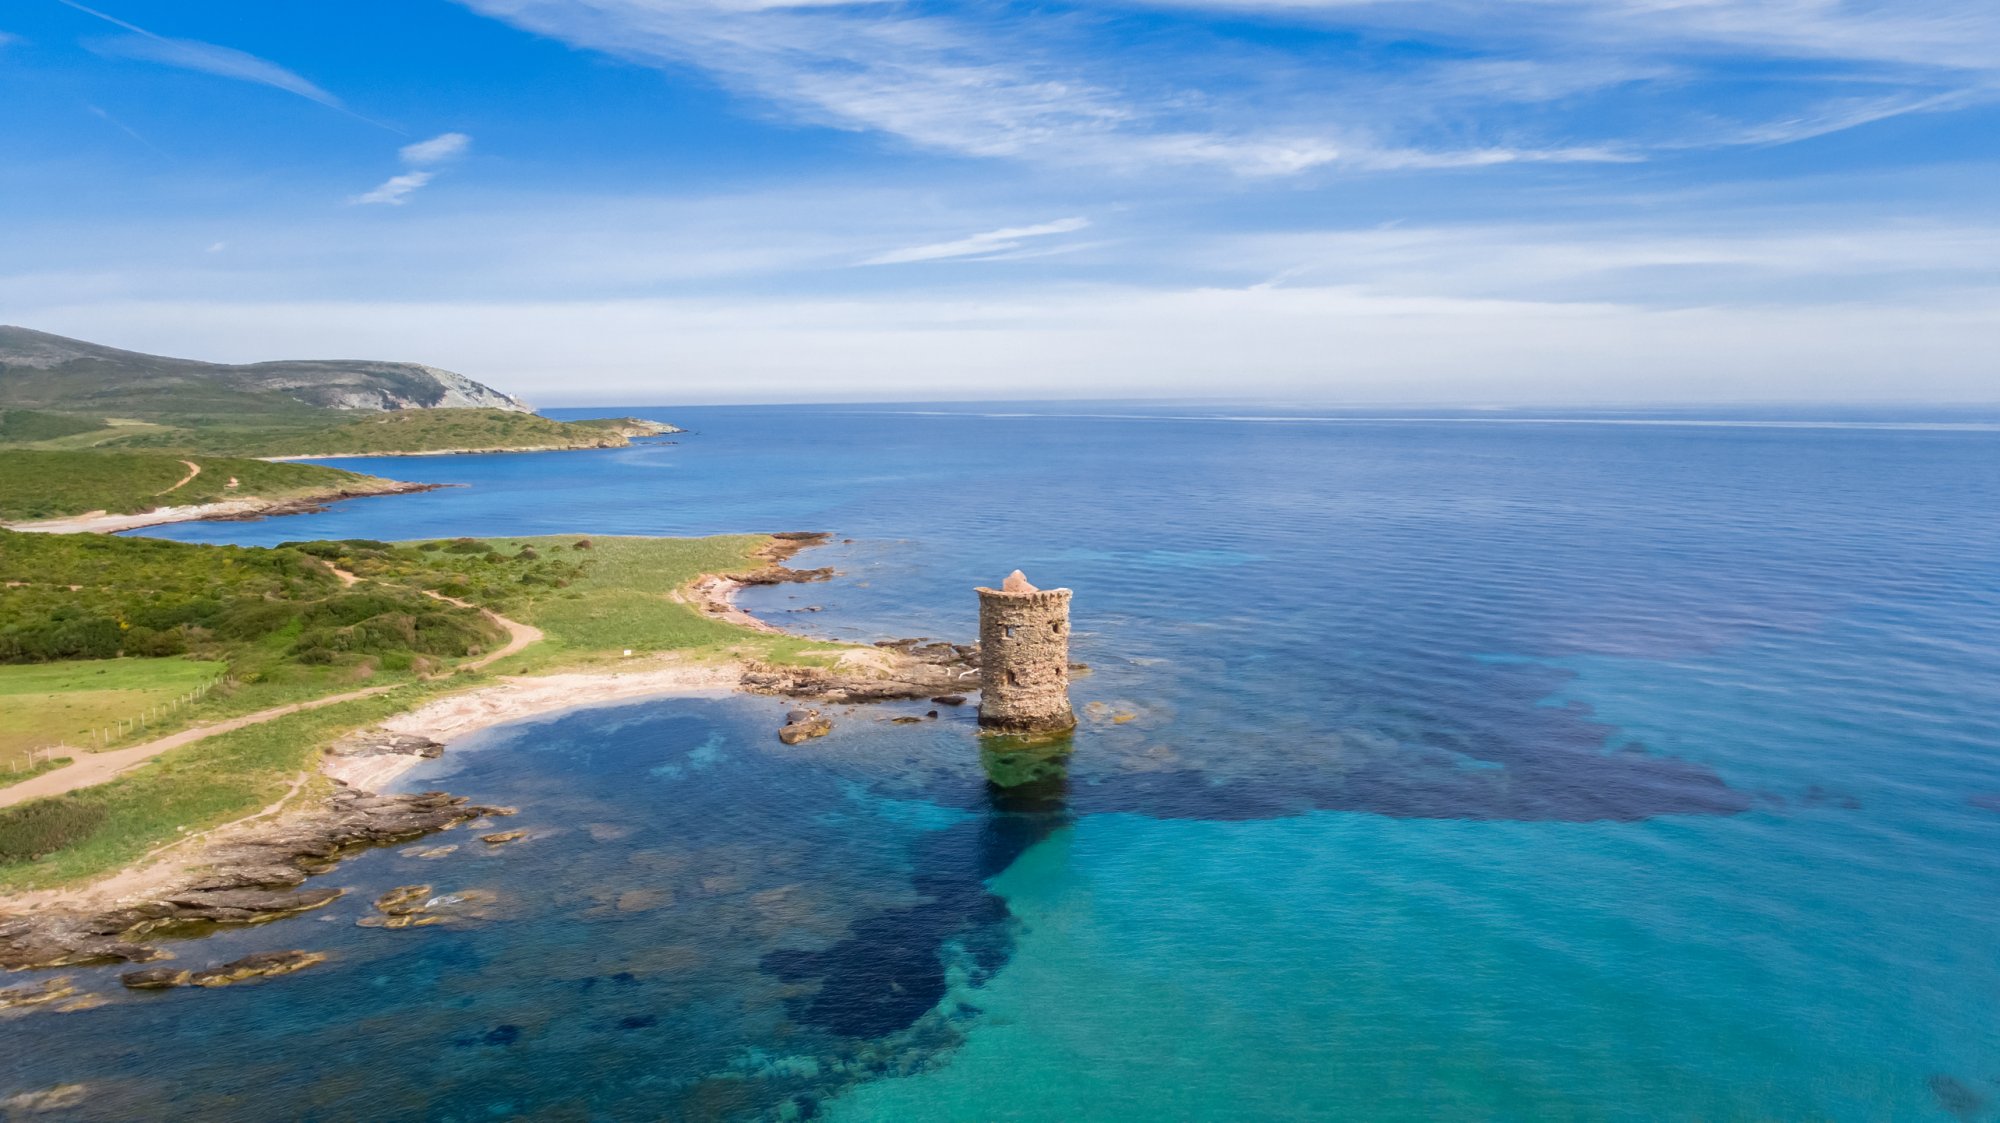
1024 658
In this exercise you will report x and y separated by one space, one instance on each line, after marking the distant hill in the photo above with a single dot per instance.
50 372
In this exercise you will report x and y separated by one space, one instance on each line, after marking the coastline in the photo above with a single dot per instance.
444 452
249 870
228 510
621 437
524 698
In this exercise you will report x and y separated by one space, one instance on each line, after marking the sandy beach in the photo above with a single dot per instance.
249 507
518 699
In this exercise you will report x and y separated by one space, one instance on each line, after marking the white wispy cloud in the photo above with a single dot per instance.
1927 33
1033 87
1054 85
7 38
439 149
395 191
207 58
121 126
419 158
978 245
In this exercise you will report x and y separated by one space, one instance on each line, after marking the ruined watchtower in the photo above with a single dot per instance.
1024 658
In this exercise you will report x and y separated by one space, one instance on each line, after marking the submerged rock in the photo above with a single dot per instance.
156 978
804 726
48 990
399 920
62 1097
503 838
403 899
264 964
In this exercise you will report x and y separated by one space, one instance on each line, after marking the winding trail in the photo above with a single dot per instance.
193 471
519 635
90 769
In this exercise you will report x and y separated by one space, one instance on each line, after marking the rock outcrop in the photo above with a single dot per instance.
804 725
248 881
261 965
895 670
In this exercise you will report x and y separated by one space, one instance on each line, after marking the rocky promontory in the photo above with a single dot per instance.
251 878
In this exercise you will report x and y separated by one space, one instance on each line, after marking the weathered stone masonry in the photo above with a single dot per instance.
1024 658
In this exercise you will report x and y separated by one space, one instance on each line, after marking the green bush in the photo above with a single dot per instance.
34 830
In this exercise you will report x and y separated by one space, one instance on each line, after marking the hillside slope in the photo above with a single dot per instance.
39 370
52 485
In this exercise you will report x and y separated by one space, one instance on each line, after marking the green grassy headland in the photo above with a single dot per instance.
41 484
286 629
346 433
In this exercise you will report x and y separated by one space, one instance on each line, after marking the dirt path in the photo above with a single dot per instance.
519 635
95 768
193 471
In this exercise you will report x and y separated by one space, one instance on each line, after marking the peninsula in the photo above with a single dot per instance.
94 438
372 657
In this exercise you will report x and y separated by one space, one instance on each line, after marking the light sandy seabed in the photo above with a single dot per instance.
99 522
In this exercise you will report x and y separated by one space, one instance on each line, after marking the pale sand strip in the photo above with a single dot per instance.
516 699
99 522
446 720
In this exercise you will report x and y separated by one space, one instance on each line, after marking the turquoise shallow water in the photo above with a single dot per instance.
1565 771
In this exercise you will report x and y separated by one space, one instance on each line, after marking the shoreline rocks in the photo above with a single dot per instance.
261 965
249 880
381 742
804 725
901 670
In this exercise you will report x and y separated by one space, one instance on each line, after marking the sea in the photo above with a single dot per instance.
1433 765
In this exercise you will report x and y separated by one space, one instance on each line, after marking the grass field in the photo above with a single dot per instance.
593 603
43 704
20 426
46 484
96 830
616 595
112 431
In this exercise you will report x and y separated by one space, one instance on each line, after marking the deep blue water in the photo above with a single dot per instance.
1520 771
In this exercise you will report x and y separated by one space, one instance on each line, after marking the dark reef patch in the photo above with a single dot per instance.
1958 1100
890 971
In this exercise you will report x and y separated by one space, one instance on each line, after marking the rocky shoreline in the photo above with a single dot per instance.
249 879
254 872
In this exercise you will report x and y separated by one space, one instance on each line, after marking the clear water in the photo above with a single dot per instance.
1479 771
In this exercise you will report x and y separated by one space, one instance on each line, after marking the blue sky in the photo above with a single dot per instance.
659 201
